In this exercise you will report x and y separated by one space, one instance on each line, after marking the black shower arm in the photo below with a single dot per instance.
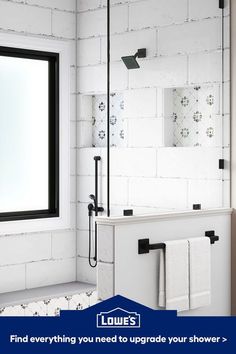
141 53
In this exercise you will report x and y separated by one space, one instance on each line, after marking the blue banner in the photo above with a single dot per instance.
117 325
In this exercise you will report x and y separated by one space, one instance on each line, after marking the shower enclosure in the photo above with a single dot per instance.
154 98
169 116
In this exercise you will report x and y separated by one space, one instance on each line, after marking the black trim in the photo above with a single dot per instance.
128 212
221 4
221 164
53 119
197 207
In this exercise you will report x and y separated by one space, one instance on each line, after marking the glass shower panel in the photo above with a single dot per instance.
91 123
169 117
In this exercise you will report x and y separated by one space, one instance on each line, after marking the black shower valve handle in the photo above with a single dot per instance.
92 208
100 209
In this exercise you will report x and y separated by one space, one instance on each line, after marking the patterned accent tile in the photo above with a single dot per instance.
52 307
117 131
196 116
36 309
12 311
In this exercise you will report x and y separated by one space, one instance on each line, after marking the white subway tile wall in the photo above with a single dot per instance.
85 273
183 42
160 72
89 51
186 162
19 17
152 13
152 192
190 37
105 277
40 259
12 277
54 271
212 64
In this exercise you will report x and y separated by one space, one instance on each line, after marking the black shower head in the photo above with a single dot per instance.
131 62
92 197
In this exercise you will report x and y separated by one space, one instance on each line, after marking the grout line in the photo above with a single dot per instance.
25 3
35 35
103 7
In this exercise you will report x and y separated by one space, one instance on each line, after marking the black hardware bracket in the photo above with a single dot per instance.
128 212
145 247
221 164
97 158
222 4
141 53
212 236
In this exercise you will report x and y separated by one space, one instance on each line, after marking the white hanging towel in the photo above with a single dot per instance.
174 276
200 272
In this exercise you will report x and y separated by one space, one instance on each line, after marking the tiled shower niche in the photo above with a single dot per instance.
192 116
95 120
99 120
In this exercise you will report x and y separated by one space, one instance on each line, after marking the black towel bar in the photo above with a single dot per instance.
144 245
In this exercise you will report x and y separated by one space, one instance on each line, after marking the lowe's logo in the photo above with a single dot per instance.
118 318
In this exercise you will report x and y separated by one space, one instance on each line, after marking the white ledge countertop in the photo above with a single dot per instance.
45 293
136 219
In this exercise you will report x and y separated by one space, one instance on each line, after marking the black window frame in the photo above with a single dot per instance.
53 136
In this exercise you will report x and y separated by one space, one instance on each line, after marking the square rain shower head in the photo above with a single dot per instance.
130 62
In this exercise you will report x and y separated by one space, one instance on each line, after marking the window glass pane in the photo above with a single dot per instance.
23 134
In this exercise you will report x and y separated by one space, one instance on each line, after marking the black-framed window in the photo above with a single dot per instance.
29 134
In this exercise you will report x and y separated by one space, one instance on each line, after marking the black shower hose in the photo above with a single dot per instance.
93 265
